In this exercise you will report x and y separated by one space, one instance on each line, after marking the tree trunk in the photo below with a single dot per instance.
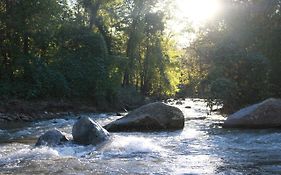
25 44
93 11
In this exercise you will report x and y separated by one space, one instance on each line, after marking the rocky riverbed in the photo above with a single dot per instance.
18 110
202 147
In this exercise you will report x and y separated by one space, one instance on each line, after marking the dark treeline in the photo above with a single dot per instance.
237 57
104 51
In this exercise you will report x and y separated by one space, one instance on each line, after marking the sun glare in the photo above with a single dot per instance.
194 12
198 11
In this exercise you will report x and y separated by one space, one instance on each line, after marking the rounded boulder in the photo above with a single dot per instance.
51 138
85 132
151 117
266 114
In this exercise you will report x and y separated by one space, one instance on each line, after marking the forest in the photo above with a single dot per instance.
120 52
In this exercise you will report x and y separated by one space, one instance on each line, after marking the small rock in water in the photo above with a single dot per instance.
179 103
85 131
118 114
25 118
51 138
188 107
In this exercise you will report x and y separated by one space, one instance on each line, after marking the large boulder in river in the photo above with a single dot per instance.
266 114
151 117
85 131
51 138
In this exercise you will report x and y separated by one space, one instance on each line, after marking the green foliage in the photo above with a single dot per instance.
223 91
237 56
66 60
150 67
51 49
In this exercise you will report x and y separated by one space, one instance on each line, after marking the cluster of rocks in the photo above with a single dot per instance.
85 132
151 117
18 110
179 101
14 117
161 117
8 117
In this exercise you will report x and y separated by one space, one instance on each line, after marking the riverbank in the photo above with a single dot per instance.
19 110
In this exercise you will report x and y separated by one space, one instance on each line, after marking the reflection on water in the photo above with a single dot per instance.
202 147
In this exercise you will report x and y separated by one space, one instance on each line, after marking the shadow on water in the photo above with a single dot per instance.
13 125
9 129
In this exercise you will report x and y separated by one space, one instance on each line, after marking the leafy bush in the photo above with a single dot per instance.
237 78
223 91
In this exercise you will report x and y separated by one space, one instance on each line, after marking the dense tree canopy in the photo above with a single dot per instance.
119 51
89 49
236 59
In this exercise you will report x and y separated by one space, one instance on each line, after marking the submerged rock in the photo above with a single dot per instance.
151 117
179 103
266 114
85 131
51 138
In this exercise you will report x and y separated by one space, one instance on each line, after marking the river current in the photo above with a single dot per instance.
202 147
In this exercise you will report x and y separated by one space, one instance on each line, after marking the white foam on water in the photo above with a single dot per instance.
102 115
28 153
132 144
72 150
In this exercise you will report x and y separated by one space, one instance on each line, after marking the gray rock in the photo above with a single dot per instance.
179 103
85 132
118 114
151 117
51 138
266 114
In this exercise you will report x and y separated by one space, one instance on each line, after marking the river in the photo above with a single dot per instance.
202 147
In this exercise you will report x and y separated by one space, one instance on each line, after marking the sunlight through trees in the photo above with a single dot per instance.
225 51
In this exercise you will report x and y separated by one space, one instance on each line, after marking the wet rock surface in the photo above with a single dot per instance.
85 132
51 138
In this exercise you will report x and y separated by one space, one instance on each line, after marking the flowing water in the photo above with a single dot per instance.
202 147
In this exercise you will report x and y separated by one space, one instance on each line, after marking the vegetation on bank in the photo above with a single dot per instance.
106 52
236 59
114 53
